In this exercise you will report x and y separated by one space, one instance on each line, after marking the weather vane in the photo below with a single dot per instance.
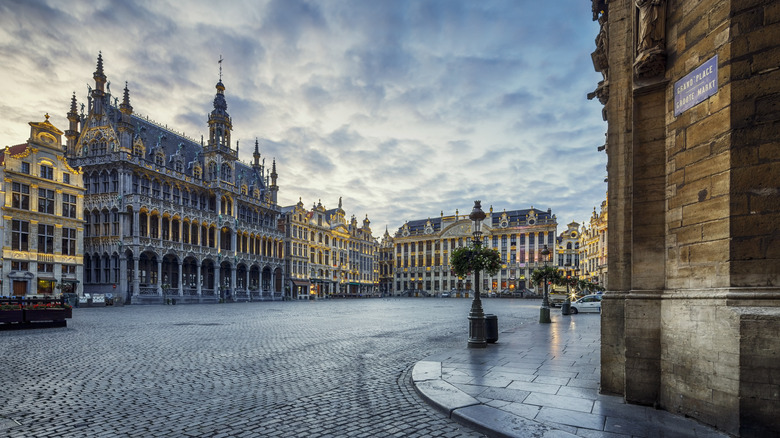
220 67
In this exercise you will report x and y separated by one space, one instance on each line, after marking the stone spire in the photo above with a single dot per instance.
72 134
125 107
99 93
256 154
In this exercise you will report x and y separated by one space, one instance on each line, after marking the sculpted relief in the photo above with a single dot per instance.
650 39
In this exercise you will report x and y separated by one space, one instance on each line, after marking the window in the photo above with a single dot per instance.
166 192
20 266
104 179
145 187
47 172
156 189
159 159
68 205
46 201
68 241
20 235
21 196
45 267
25 167
114 182
46 239
66 178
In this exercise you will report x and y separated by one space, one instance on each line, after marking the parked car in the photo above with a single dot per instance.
588 303
445 295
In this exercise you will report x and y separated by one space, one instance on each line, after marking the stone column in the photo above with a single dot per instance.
136 275
181 286
197 278
159 278
123 286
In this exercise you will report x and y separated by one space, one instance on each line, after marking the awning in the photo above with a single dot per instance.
301 283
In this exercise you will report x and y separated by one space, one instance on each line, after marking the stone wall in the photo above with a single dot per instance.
691 317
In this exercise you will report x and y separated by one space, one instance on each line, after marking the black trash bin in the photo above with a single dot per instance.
566 308
491 328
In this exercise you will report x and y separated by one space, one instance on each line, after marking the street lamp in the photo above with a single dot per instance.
544 312
477 315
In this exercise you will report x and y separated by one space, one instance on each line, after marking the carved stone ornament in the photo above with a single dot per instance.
651 39
600 56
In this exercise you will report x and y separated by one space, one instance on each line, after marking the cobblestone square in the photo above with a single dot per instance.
326 368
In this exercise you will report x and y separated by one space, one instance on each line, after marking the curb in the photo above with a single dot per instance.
468 411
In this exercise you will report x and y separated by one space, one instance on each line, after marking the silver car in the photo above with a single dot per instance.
588 303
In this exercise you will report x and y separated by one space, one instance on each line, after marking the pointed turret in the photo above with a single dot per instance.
125 107
125 126
256 154
98 94
274 188
72 134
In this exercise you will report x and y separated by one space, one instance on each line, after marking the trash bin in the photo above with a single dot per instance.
566 307
491 328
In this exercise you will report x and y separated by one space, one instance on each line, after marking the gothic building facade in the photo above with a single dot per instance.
422 249
326 255
42 222
166 216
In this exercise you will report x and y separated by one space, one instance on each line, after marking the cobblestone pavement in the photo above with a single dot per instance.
337 368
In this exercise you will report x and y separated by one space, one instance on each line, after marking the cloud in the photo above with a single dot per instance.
403 108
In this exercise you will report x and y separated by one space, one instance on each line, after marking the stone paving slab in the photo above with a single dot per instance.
544 383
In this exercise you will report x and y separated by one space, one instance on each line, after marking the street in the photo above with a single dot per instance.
322 368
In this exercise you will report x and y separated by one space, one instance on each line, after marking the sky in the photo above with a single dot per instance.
405 109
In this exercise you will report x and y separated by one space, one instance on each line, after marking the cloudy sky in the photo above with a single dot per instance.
403 108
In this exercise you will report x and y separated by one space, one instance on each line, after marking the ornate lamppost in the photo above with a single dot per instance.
477 315
474 259
544 312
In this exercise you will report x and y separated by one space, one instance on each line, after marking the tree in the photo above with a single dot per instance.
474 258
547 274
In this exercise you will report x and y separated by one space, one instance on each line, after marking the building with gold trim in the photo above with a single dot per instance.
328 256
422 249
42 223
593 247
168 217
567 250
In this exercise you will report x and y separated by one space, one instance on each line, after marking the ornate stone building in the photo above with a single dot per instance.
567 250
42 224
593 247
328 256
168 217
386 264
422 250
691 317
